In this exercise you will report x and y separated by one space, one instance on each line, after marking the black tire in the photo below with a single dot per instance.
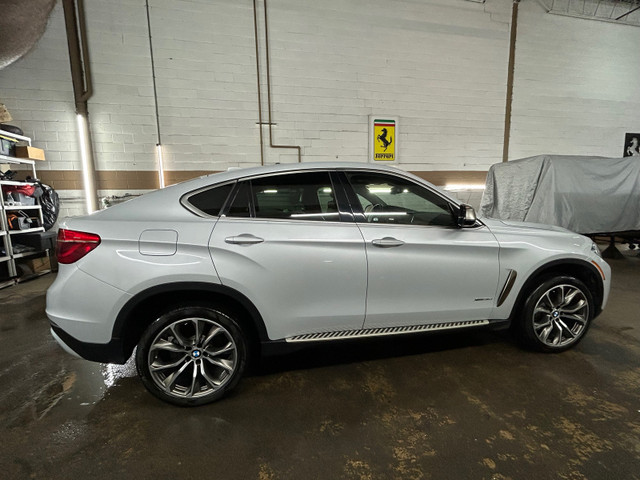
201 353
556 314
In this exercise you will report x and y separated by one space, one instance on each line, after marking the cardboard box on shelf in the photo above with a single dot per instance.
31 153
38 265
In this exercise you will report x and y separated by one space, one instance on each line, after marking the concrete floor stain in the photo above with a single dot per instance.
358 470
585 443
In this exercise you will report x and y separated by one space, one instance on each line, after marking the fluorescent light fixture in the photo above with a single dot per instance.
85 155
461 186
379 189
326 190
160 165
270 191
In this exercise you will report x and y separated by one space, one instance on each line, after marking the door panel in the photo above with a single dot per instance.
421 268
281 244
303 276
434 274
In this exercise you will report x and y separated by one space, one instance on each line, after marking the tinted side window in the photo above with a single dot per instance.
300 196
211 201
389 199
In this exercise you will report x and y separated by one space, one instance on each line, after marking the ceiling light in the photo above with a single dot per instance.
160 165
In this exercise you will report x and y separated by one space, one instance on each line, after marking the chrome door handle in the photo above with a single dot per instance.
387 242
244 239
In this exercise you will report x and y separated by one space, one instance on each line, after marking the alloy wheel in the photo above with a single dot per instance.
192 357
560 316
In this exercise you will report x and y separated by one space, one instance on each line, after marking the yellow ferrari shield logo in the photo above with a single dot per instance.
384 149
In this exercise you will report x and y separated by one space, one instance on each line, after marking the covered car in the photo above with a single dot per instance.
587 195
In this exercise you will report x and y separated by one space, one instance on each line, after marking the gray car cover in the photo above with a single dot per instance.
584 194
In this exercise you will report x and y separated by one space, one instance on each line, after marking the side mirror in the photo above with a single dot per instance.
466 216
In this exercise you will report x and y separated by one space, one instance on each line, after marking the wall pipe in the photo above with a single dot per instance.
78 53
510 76
268 65
255 30
82 91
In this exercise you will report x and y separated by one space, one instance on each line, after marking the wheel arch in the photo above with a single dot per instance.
580 269
141 310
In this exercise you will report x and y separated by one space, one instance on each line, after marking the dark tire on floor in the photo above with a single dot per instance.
556 314
192 355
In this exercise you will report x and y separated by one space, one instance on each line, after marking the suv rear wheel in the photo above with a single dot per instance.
191 355
556 314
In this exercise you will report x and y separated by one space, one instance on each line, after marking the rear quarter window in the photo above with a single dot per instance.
210 201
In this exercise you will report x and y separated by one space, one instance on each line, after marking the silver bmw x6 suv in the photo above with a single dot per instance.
202 275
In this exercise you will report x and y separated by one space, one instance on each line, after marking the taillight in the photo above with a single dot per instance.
72 245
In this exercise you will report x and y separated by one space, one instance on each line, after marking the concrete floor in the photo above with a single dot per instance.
458 406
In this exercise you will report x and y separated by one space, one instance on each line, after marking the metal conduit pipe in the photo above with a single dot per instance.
255 33
268 65
82 90
510 75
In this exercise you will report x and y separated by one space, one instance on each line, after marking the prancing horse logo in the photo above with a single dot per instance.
382 138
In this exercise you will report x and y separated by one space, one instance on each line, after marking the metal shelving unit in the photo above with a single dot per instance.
10 237
28 230
21 207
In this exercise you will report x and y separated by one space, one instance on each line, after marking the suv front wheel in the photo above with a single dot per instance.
191 355
557 314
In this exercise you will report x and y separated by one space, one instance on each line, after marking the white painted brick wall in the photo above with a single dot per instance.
440 65
122 109
205 58
37 91
72 202
577 85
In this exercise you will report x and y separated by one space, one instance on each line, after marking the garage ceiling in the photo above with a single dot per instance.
625 12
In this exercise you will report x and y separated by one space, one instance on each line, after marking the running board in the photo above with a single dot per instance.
380 332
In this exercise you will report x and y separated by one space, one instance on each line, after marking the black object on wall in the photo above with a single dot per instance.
631 145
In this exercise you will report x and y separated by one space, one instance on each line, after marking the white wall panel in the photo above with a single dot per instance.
439 65
577 88
37 91
206 77
121 111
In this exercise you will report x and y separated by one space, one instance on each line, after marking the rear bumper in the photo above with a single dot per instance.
112 352
82 309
